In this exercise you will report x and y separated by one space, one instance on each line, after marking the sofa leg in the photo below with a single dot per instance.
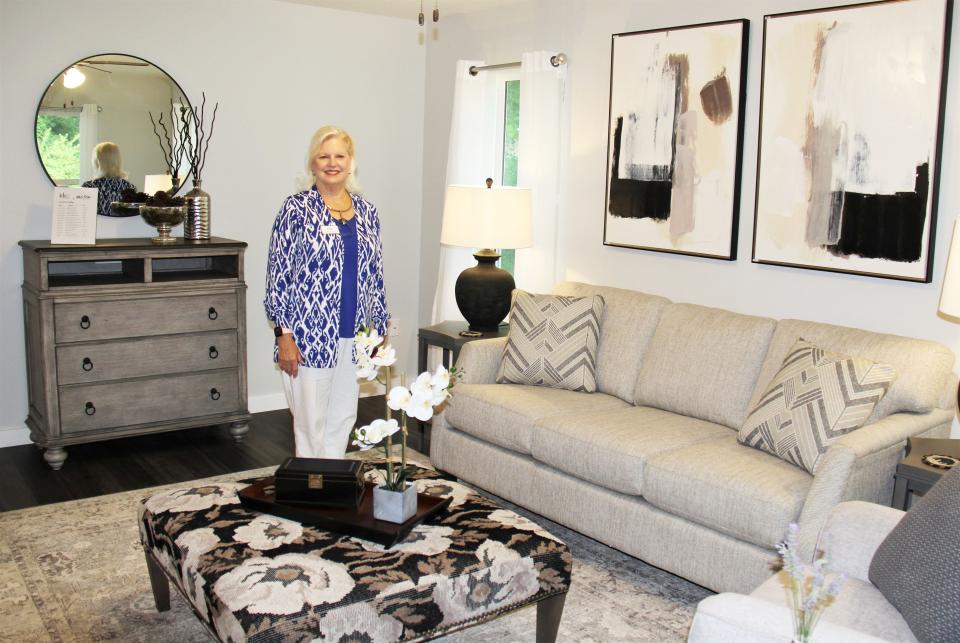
549 611
159 584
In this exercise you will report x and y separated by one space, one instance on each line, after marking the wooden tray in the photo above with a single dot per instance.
358 522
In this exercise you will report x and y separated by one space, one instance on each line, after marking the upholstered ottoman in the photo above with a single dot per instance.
255 577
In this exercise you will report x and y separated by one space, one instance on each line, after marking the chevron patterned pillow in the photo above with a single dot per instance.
553 342
814 399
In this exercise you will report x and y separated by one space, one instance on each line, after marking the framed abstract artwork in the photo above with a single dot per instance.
850 133
675 139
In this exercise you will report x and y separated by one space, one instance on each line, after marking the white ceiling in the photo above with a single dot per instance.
408 8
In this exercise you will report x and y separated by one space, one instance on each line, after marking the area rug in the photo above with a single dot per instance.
74 571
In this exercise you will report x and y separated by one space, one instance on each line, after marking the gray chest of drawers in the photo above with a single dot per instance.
126 337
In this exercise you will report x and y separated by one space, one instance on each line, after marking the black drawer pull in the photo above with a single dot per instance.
212 313
214 394
84 322
214 353
87 364
89 408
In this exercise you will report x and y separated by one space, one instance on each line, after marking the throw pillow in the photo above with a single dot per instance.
813 399
553 342
917 566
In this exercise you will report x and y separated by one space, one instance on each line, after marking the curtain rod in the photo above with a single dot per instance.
556 61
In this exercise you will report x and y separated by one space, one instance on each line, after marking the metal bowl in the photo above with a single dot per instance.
163 218
124 209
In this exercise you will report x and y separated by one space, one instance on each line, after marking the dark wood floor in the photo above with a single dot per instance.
151 460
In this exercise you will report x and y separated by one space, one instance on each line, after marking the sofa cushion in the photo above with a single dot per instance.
814 398
917 566
923 367
553 342
726 486
611 448
504 414
703 362
629 320
859 606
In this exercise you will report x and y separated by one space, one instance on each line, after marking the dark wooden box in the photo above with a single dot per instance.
320 482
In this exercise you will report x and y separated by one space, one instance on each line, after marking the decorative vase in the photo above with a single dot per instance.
196 225
395 506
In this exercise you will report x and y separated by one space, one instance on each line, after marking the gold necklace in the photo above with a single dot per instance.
339 211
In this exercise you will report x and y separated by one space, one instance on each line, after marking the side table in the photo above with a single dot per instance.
445 335
915 476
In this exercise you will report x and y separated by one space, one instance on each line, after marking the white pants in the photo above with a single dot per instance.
324 405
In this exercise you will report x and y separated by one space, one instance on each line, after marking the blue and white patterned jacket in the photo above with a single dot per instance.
304 269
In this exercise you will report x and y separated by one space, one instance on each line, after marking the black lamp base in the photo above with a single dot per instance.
483 292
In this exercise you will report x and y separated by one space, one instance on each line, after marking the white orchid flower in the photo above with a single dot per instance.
367 371
421 406
368 340
386 356
380 429
421 386
440 379
398 398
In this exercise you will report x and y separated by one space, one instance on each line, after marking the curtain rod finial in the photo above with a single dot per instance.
558 59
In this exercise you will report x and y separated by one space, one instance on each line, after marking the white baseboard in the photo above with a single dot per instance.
12 436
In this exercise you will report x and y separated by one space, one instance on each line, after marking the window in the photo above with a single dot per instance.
509 104
58 140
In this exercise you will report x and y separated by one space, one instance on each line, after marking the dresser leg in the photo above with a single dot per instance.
55 457
239 429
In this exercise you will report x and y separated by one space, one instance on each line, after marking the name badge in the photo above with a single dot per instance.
329 229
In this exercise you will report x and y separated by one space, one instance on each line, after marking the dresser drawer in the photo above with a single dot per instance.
119 404
74 322
120 359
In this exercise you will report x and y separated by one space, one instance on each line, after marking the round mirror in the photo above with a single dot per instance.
112 98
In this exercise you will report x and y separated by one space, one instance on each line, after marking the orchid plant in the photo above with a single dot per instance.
810 591
427 392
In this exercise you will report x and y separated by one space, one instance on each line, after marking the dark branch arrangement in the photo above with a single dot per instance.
198 144
173 139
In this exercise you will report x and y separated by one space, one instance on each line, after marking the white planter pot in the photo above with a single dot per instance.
395 506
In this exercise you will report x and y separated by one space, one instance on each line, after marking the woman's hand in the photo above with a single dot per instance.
288 354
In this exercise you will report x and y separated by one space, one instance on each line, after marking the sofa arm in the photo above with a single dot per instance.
852 534
736 618
858 466
480 360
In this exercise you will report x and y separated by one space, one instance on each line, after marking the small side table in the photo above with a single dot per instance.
916 477
445 335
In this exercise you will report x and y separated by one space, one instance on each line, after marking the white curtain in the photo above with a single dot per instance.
542 141
470 160
89 137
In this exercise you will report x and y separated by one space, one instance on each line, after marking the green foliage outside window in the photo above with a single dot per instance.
511 141
58 139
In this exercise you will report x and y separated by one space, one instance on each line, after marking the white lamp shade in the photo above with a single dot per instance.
481 217
950 294
153 183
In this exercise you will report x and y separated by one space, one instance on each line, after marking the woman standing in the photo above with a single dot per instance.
111 179
324 283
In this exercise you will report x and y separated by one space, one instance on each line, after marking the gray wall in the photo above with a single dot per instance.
582 30
279 70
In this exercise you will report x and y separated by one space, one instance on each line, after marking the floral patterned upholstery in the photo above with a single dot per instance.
257 577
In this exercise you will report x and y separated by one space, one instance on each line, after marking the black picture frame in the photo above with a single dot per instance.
878 234
638 211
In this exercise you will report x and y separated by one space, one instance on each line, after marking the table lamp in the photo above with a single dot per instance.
487 218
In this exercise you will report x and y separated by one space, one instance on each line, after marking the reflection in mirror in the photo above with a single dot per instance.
105 98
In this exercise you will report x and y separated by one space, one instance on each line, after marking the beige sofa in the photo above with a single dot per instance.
650 463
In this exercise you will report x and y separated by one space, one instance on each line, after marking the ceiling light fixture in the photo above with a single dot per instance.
73 78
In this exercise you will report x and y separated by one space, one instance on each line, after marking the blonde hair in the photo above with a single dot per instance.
317 140
107 160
